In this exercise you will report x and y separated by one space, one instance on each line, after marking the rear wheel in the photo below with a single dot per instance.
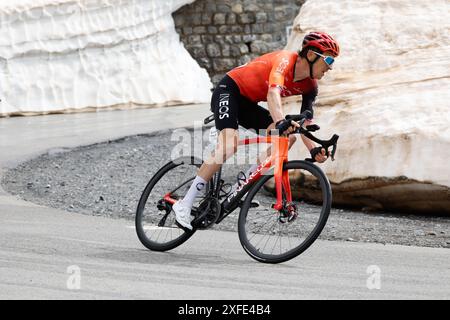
273 236
156 226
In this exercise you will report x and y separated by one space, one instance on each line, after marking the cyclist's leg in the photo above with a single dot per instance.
224 104
253 116
226 147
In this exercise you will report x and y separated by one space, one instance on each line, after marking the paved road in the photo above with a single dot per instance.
43 250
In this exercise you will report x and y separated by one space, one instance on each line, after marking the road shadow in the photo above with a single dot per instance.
179 258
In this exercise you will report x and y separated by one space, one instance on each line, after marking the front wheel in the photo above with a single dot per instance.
273 236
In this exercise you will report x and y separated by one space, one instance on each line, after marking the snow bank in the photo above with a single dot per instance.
59 55
388 99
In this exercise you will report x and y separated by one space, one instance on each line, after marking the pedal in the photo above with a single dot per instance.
254 204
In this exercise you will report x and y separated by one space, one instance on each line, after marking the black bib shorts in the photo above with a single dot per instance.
232 109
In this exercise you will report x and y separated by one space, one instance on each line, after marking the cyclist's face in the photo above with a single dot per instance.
320 67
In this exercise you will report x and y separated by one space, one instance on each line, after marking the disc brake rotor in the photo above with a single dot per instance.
288 213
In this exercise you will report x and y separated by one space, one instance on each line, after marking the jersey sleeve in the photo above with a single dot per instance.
308 100
281 65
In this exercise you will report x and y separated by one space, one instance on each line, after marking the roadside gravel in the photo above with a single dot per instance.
107 179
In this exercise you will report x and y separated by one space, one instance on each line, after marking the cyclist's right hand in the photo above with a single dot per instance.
286 126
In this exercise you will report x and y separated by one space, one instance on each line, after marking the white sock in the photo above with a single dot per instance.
197 185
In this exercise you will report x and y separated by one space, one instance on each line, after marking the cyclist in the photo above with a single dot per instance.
267 78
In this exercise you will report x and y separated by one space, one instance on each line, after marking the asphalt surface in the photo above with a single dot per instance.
47 253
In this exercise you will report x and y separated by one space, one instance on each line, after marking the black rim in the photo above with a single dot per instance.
245 224
151 242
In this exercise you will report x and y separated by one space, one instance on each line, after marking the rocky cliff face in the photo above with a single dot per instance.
60 55
223 34
388 98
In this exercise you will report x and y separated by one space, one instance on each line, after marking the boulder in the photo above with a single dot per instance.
388 99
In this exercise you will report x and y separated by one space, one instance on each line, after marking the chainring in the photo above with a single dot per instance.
207 213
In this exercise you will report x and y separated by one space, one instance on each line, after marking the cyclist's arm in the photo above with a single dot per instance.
276 82
308 143
274 104
308 100
307 104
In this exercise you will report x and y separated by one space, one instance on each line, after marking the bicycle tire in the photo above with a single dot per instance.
152 245
327 199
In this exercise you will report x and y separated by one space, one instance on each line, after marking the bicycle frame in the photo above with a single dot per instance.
279 155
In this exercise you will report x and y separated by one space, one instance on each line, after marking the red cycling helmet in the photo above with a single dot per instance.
322 41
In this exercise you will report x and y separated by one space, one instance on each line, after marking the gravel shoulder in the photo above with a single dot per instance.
106 179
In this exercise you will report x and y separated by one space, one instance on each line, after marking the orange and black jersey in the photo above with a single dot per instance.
274 69
235 99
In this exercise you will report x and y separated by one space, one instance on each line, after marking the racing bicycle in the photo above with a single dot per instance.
284 205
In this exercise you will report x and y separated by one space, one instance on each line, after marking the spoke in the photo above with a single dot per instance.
281 238
289 238
275 244
165 238
159 234
262 226
269 234
273 248
262 238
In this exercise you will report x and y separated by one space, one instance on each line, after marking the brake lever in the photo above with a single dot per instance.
312 127
324 144
330 143
307 115
333 151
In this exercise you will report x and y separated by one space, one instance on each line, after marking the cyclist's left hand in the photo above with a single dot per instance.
321 156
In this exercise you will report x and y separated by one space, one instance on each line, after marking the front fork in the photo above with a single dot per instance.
281 146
